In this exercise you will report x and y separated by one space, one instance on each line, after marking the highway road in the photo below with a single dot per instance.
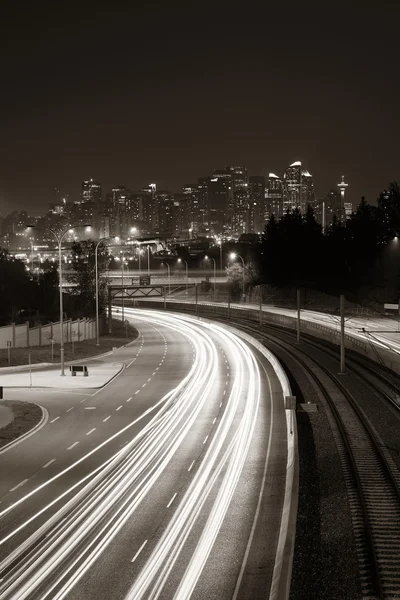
167 483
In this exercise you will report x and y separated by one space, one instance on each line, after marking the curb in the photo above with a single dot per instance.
35 428
51 387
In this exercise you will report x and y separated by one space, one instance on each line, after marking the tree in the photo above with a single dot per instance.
84 276
15 288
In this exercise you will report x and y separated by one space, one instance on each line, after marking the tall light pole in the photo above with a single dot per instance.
215 268
104 239
232 256
187 267
59 239
169 278
220 254
148 260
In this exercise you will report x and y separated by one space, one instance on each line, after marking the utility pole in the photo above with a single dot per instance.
342 351
298 316
196 296
261 319
165 297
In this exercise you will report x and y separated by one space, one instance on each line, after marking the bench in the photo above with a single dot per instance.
79 369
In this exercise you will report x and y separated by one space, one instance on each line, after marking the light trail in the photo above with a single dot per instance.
52 560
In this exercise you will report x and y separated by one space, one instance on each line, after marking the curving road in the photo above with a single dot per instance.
167 483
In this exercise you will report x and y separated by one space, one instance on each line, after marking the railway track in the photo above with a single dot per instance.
371 477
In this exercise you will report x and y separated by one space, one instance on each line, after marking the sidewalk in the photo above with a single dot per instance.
100 373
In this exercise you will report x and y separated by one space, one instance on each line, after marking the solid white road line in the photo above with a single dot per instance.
139 551
172 499
49 463
19 485
54 420
74 444
91 431
106 419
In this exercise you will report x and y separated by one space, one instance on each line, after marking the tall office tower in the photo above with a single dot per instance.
218 202
203 204
166 216
298 188
181 215
91 191
146 208
273 198
256 202
240 217
332 207
121 198
191 193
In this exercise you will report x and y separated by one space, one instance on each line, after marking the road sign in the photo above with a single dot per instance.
144 280
391 306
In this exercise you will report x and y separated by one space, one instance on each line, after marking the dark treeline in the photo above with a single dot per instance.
25 297
343 259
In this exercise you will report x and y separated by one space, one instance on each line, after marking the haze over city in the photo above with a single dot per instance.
168 93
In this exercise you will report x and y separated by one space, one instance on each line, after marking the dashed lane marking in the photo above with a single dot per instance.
119 408
139 551
18 485
129 399
215 418
191 465
54 420
91 431
172 499
205 439
137 392
49 463
74 444
106 419
72 408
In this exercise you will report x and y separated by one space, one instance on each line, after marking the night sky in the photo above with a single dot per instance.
168 92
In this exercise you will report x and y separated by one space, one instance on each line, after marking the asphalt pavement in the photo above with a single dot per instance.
168 482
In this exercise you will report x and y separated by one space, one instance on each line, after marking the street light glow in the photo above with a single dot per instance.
232 255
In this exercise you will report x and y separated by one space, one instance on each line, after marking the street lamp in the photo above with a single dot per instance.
215 267
187 267
232 256
169 278
148 260
59 239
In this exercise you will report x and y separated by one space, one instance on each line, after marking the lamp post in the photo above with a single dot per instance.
148 260
220 254
233 255
59 239
169 278
215 268
140 252
187 267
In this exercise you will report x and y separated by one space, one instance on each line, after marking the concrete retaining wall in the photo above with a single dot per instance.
22 336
